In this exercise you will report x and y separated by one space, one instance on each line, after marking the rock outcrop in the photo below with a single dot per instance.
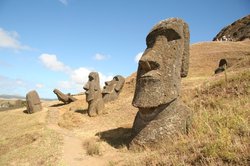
237 31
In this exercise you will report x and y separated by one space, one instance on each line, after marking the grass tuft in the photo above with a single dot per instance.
92 147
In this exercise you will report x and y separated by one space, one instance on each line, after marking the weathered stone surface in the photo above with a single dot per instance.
94 95
161 114
222 66
113 88
237 31
33 102
63 97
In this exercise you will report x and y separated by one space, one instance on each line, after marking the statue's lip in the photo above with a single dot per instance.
152 75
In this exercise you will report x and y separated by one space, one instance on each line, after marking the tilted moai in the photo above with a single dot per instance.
113 88
161 114
64 98
222 66
94 95
33 102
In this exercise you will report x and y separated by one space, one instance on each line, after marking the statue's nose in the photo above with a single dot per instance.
145 65
148 65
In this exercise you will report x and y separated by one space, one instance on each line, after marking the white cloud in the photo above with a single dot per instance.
104 78
138 57
77 78
10 40
39 86
51 62
64 2
100 57
80 75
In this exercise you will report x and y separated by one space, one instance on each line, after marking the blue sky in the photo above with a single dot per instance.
47 44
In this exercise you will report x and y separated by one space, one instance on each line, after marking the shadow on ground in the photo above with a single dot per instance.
57 105
117 138
82 111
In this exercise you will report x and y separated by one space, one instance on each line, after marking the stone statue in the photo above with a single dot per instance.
64 98
222 66
33 102
113 88
94 95
161 114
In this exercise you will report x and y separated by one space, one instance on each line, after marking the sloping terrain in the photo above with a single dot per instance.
220 134
237 31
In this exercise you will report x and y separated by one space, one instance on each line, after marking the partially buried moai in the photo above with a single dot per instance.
94 95
161 114
113 88
33 102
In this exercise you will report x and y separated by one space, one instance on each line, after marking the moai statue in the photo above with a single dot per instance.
222 66
33 102
64 98
94 95
161 114
113 88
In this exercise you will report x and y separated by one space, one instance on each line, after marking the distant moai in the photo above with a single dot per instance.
33 102
222 66
113 88
161 114
94 95
63 97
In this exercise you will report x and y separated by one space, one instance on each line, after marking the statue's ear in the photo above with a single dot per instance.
185 55
120 83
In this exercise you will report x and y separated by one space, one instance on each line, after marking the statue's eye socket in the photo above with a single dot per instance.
91 78
169 34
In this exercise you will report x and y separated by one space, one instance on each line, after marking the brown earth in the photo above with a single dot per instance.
73 138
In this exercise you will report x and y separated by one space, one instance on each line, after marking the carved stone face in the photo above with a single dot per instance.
162 65
109 87
115 85
92 87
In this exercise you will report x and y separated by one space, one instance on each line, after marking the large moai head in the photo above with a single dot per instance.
162 64
33 102
113 88
94 95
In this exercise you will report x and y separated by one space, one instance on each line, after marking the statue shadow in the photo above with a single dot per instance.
82 111
25 111
57 105
117 138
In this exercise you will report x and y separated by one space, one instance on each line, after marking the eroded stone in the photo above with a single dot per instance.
33 102
63 97
161 114
113 88
94 95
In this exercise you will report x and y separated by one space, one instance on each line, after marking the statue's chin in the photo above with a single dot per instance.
89 99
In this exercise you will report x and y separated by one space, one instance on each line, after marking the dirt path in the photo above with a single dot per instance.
72 146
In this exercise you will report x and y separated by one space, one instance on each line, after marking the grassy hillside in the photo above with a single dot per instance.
220 133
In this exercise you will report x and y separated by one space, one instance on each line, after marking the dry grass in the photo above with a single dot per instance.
71 119
92 147
220 133
26 141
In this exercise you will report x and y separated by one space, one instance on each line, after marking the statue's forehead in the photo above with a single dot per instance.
172 29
